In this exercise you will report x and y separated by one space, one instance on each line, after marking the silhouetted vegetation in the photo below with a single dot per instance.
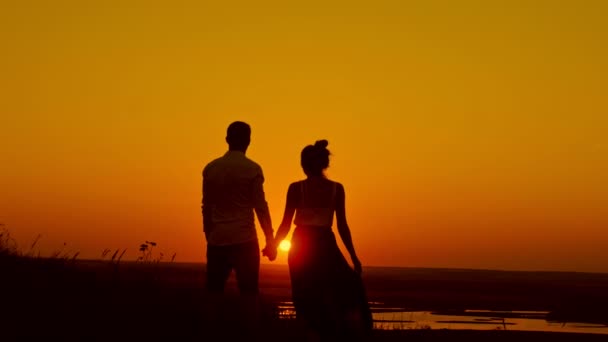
113 299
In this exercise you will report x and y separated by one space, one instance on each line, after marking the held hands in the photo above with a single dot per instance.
270 250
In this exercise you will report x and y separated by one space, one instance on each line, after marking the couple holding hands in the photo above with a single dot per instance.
328 295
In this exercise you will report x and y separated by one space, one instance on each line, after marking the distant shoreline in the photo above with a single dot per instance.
396 268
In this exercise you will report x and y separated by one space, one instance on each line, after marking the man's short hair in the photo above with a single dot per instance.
238 135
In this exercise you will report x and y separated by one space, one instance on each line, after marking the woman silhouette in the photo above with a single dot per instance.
328 295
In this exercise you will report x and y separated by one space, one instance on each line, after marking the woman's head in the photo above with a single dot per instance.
315 158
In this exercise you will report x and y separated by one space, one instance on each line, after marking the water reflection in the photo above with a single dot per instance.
392 318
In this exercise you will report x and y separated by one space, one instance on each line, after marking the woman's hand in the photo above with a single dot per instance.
270 250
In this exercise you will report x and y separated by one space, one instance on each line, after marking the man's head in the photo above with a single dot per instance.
238 136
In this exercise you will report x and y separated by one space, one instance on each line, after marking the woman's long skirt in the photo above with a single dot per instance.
328 295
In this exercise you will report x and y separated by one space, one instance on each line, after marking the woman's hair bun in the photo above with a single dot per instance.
321 143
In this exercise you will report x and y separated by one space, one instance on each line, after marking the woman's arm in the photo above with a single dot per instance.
343 228
290 209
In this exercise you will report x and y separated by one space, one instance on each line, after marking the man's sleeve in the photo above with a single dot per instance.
261 206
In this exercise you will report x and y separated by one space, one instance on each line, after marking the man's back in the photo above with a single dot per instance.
232 189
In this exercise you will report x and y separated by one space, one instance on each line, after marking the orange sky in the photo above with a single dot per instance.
467 135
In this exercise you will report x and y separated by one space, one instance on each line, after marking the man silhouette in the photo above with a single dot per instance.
232 191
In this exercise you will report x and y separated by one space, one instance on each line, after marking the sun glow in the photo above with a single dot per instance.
285 245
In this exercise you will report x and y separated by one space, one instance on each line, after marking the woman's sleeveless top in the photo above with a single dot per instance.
307 214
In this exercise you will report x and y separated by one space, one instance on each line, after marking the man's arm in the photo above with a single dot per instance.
206 209
261 207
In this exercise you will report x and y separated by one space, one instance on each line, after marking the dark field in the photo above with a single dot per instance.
95 300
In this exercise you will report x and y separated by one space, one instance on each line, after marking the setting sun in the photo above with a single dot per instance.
285 245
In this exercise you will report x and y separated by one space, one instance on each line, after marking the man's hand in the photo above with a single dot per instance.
270 251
